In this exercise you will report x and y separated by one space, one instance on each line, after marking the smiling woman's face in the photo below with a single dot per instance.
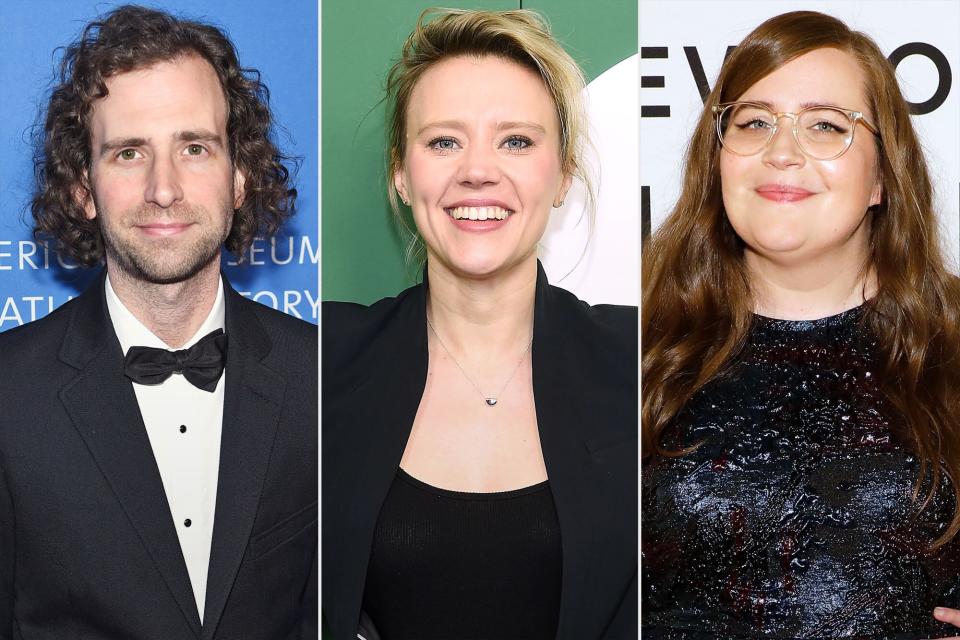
482 165
787 207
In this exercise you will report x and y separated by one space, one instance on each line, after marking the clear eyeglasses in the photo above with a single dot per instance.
821 132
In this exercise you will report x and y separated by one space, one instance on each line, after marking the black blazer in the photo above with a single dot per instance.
88 547
585 390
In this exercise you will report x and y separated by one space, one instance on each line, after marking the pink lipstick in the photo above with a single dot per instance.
782 193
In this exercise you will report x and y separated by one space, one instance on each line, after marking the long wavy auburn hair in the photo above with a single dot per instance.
697 305
129 38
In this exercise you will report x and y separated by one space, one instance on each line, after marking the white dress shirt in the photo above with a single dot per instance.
184 425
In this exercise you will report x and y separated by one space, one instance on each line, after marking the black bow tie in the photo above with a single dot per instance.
202 364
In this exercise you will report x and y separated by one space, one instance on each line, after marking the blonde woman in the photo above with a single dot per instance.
479 430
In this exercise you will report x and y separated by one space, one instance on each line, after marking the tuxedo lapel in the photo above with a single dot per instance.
102 404
251 410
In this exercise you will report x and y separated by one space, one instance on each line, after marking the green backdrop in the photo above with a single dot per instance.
362 257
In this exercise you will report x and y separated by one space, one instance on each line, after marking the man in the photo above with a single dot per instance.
158 442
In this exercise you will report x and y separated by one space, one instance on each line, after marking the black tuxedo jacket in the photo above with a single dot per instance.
88 547
585 390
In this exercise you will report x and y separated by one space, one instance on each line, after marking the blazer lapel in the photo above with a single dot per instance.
251 410
372 403
102 404
380 409
565 454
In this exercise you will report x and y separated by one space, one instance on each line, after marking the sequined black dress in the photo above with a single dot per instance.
794 517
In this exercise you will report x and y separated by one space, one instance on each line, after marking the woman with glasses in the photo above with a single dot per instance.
801 359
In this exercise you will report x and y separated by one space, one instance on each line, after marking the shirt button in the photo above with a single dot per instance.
183 428
187 522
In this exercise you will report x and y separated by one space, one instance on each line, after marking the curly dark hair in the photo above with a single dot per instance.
129 38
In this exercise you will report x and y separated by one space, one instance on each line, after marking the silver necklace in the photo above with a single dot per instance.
490 400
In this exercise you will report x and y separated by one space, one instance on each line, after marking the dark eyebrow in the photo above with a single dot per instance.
121 143
200 135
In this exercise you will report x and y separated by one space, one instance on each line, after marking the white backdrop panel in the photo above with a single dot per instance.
604 268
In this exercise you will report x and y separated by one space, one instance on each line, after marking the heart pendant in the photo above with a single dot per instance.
491 401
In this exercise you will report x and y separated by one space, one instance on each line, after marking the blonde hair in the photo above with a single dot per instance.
520 36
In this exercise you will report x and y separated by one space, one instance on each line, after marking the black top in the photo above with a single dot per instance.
794 517
585 392
473 566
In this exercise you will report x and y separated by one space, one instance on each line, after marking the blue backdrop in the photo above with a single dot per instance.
277 38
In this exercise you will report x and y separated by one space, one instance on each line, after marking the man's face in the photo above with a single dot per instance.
163 184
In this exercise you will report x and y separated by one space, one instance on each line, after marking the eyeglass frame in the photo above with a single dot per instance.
854 116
